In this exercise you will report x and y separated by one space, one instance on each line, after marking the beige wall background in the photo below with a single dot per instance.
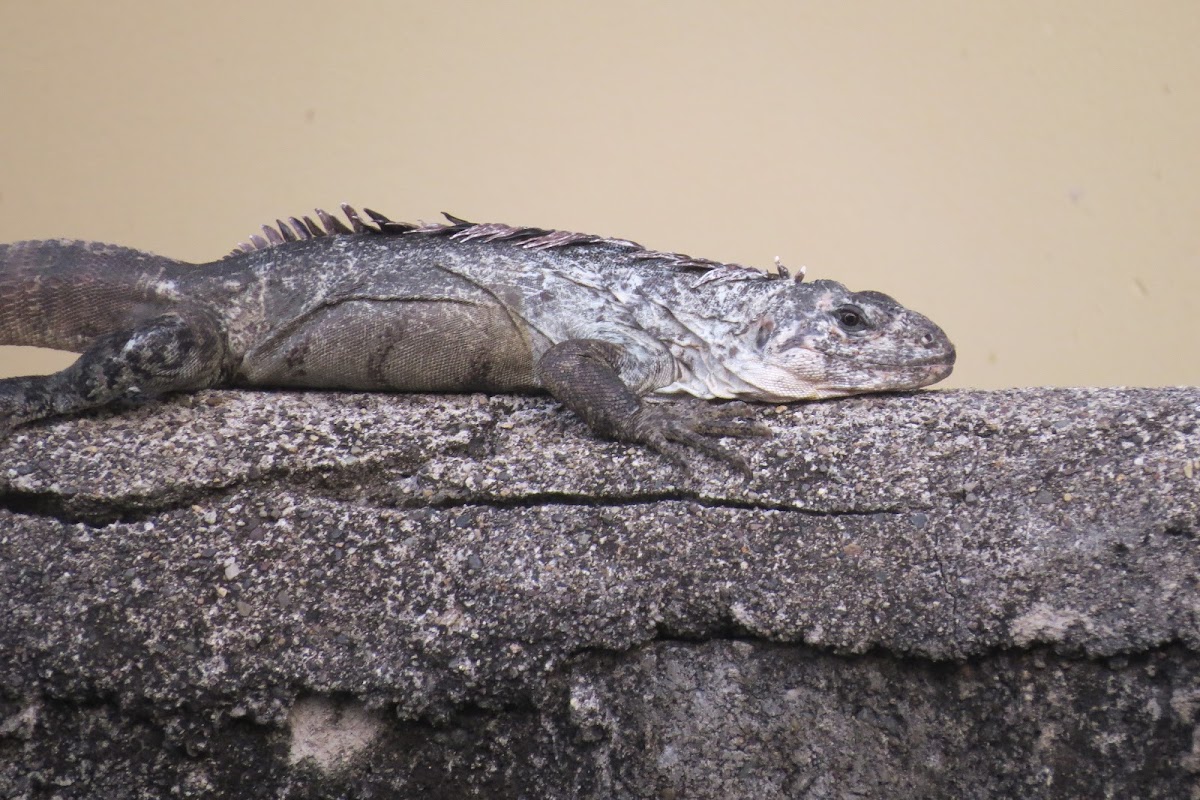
1026 173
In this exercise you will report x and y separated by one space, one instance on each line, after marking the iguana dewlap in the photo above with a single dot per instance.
598 323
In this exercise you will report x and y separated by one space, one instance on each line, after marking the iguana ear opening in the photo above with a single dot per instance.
766 327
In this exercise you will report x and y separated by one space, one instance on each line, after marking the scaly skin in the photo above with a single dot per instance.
598 323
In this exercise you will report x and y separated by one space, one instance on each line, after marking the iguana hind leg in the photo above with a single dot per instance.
170 352
584 375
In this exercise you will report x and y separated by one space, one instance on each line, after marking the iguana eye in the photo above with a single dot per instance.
851 318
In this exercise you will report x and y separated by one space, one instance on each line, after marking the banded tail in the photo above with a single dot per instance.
64 294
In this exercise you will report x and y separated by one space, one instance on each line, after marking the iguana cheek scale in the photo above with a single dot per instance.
599 323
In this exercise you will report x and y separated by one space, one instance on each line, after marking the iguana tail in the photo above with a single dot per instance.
63 293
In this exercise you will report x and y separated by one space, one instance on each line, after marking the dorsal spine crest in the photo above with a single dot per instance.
458 229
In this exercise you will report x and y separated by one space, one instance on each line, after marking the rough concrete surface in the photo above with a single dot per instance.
944 594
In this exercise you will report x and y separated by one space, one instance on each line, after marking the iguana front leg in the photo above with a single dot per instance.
170 352
585 376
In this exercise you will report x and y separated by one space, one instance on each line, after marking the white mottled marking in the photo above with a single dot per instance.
329 732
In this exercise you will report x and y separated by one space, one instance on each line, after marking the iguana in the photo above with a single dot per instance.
374 304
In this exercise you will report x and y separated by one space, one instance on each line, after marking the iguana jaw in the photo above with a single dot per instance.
808 375
807 370
829 378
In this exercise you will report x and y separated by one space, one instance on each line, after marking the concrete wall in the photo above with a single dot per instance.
1027 174
944 595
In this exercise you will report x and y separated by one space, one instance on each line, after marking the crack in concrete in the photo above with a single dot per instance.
101 512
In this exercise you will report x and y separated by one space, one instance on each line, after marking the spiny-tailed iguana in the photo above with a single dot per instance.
598 323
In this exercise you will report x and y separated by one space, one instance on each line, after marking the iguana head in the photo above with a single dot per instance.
819 339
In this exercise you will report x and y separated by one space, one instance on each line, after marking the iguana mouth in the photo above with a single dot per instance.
940 360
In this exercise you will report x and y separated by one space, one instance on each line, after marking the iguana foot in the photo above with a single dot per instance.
666 428
584 374
171 352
